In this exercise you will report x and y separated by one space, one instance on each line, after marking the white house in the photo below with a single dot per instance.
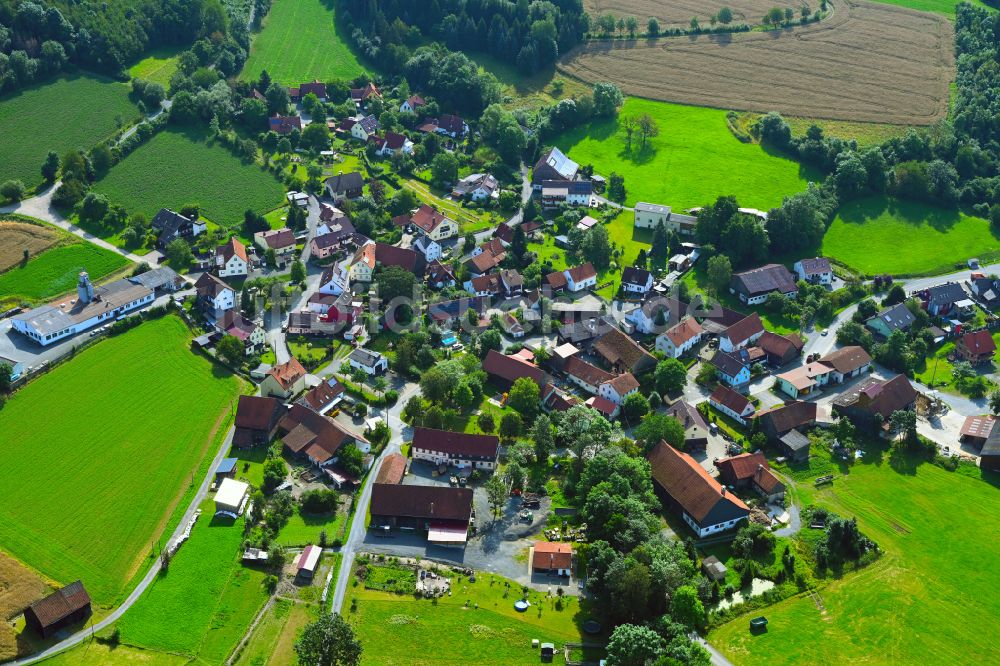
246 331
815 271
477 186
231 259
433 224
636 280
214 294
679 338
334 280
363 264
458 449
619 388
741 334
650 216
731 403
411 104
370 362
365 128
392 144
645 316
427 247
92 306
581 277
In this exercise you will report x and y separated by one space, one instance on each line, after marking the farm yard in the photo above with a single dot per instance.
933 525
693 161
299 42
867 62
56 260
207 599
178 168
885 235
88 109
98 423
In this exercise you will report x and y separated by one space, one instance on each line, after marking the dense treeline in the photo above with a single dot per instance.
532 35
951 163
38 39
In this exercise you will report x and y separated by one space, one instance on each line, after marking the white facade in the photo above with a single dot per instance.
728 345
427 247
235 267
649 216
709 529
633 288
26 327
440 458
337 284
224 300
666 345
585 283
379 364
608 392
732 413
824 277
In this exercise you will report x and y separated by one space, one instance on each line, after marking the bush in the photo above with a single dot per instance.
319 500
396 579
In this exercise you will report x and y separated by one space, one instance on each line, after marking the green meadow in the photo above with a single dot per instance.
885 235
72 111
90 478
693 161
158 66
926 600
299 42
55 271
946 7
176 168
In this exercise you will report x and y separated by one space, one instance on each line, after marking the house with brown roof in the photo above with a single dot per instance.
554 399
61 609
411 104
284 380
440 512
778 421
732 404
552 558
256 420
876 399
555 282
680 337
741 334
847 363
977 348
439 275
751 470
317 438
803 380
816 270
392 470
434 224
505 370
231 259
695 428
586 376
780 350
581 277
754 286
323 397
458 449
976 429
213 294
408 260
284 124
364 93
248 332
616 389
603 406
282 241
345 185
623 353
687 489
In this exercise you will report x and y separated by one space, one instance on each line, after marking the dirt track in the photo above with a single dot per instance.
868 62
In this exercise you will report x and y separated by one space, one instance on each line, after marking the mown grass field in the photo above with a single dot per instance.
273 639
74 111
946 7
299 43
99 452
207 599
884 235
923 602
92 653
394 629
158 66
303 530
694 161
177 168
55 271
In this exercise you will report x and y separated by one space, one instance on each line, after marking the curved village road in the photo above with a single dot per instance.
150 576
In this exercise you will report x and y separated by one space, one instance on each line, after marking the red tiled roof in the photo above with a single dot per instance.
392 470
727 397
687 329
60 604
582 272
744 329
512 368
741 467
455 443
423 502
602 405
556 280
590 374
288 373
688 483
552 555
428 219
233 247
979 343
624 383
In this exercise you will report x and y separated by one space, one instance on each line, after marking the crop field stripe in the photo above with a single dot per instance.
72 111
104 447
867 62
55 271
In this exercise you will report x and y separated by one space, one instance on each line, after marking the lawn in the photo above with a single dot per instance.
302 530
74 111
92 653
207 599
299 42
393 629
697 281
177 168
885 235
922 602
469 219
946 7
99 424
540 89
695 160
158 66
55 271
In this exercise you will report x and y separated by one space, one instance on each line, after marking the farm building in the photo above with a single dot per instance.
554 558
306 565
59 610
458 449
441 512
226 469
256 420
393 469
794 445
231 497
506 369
751 470
316 437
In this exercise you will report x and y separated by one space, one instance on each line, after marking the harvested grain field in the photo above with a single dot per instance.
16 237
678 13
867 62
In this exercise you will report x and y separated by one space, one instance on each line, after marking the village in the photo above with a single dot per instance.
443 385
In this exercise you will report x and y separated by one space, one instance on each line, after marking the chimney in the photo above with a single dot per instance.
723 491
